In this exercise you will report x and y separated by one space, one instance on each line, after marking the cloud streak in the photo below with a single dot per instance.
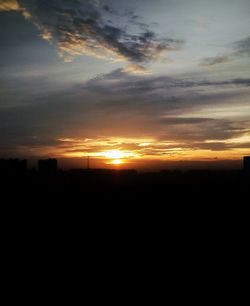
216 60
242 46
123 82
239 48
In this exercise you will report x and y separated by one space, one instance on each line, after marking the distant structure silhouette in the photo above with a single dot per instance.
88 163
246 163
47 166
13 166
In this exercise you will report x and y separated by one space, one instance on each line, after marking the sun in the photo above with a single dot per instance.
114 154
117 157
117 162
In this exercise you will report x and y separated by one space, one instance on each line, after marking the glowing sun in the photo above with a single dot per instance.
118 157
115 154
117 162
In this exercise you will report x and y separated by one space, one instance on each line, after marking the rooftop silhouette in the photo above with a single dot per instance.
246 163
15 178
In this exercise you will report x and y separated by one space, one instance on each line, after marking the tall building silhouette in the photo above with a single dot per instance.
246 163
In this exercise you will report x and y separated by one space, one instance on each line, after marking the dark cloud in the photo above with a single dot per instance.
194 129
81 27
184 120
108 9
242 46
130 16
124 83
216 60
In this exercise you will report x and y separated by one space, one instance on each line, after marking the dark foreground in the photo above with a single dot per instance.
84 186
171 210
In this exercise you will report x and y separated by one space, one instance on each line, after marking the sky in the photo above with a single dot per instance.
128 83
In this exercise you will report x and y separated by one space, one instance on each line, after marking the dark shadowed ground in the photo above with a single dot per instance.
165 187
187 219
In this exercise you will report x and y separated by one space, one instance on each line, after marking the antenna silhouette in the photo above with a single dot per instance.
88 163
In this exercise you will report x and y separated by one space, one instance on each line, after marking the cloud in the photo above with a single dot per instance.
191 130
216 60
81 28
242 47
9 5
184 120
177 113
120 81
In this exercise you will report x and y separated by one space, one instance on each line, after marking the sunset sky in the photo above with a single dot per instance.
125 82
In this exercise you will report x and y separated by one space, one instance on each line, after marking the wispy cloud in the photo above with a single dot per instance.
150 84
242 47
237 49
216 60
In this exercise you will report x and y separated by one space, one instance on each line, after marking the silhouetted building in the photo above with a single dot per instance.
47 166
13 166
246 163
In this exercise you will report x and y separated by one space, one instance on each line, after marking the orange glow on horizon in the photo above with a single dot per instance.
132 152
118 154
